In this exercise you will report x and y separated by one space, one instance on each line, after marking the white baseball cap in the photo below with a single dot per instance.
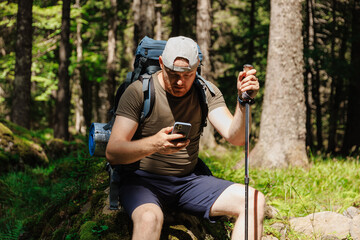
181 47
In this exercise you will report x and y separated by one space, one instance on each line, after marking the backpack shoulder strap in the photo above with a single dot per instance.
207 83
149 95
201 85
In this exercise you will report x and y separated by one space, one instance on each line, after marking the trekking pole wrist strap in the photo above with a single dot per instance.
242 101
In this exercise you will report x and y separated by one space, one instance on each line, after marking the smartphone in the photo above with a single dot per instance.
182 128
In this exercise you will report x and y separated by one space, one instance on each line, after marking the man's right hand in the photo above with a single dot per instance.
121 149
165 144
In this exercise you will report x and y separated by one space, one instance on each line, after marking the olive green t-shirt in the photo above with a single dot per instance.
166 111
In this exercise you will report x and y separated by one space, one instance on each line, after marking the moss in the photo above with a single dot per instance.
86 231
16 129
97 202
30 152
57 148
111 236
58 234
5 130
16 151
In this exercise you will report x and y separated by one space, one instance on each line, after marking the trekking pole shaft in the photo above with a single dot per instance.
247 110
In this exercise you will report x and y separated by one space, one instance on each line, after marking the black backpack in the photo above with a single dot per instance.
146 63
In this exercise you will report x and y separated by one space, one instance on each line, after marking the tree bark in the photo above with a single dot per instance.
309 73
144 19
176 6
203 27
80 126
338 79
282 129
352 132
22 93
251 50
158 27
315 87
111 59
62 104
86 89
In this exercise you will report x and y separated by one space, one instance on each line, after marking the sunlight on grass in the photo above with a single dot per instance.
330 184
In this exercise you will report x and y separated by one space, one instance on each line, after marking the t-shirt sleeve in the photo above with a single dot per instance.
215 101
131 102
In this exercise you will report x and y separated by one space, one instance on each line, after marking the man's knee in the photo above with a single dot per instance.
148 215
256 203
260 201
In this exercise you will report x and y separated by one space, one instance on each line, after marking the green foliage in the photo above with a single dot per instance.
33 192
99 230
86 231
297 191
230 47
12 231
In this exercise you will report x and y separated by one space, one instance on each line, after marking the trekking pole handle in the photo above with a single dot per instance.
246 95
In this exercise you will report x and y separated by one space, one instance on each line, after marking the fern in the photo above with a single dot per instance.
12 231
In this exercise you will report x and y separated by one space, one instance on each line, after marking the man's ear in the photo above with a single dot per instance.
161 62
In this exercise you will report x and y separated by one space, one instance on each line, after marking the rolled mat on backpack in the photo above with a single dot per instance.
98 139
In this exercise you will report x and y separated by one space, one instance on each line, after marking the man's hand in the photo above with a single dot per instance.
248 82
165 142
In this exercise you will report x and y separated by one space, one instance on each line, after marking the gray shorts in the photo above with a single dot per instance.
193 194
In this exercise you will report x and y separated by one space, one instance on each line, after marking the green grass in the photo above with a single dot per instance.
330 184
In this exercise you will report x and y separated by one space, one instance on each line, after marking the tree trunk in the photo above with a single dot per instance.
352 133
315 92
62 104
282 129
337 92
203 27
80 126
251 50
144 19
158 27
315 85
86 89
22 83
111 59
309 73
176 6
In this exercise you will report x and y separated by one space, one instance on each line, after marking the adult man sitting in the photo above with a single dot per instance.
165 177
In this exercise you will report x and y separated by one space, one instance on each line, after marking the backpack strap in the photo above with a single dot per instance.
114 180
149 96
117 173
140 65
207 84
201 85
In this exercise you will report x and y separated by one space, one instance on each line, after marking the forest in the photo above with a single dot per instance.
61 68
62 61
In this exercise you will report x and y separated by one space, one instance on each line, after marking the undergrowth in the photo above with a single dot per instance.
32 191
329 184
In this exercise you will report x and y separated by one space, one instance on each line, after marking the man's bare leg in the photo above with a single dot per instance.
147 219
232 203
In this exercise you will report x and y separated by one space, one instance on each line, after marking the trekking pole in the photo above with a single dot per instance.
246 97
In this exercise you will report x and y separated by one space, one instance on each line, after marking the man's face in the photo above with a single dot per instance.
178 83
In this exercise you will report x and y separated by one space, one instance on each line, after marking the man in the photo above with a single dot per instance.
165 177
